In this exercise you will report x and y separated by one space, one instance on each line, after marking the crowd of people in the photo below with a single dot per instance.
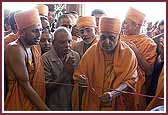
82 63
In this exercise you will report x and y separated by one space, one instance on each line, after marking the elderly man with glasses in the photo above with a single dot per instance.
107 69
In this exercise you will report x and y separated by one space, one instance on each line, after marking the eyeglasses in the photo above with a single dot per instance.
37 30
110 37
88 30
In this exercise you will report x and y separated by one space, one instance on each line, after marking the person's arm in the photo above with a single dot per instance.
16 58
147 67
107 96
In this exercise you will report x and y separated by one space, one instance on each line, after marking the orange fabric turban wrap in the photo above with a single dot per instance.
86 21
28 18
135 15
43 9
108 24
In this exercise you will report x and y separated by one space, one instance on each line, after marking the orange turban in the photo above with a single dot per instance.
43 9
135 15
86 21
28 18
108 24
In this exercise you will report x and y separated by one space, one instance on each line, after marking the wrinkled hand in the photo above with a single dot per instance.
132 46
106 97
69 64
83 80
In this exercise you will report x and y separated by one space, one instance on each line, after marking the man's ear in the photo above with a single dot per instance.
16 29
21 33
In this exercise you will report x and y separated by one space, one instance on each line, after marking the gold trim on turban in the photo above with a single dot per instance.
28 18
135 15
84 21
43 9
108 24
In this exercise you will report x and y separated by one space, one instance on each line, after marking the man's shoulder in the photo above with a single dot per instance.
15 52
14 46
149 41
49 55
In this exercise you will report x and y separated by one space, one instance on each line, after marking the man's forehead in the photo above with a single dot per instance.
61 33
66 19
127 20
86 27
108 33
36 26
46 36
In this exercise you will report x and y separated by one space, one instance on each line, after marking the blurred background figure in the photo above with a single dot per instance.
159 29
98 13
51 16
7 27
43 12
46 41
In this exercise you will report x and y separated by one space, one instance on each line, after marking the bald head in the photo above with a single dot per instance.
62 30
62 40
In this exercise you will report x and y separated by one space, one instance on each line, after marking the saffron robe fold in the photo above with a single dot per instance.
147 49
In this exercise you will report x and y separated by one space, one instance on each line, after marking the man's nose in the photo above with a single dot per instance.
46 42
85 32
107 41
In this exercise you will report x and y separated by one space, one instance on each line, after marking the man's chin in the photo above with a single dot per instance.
36 43
88 41
108 50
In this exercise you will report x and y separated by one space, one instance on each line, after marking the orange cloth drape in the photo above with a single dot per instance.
147 49
93 66
159 93
10 38
16 100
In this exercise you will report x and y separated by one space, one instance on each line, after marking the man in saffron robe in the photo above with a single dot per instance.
107 66
87 31
26 87
144 48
